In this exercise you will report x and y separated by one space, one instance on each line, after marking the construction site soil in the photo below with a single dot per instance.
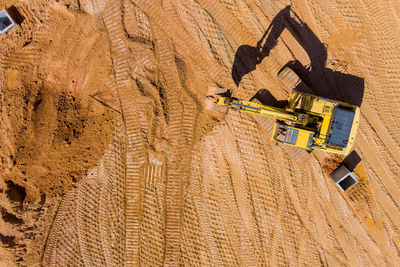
109 157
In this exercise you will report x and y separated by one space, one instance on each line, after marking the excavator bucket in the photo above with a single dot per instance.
212 96
217 92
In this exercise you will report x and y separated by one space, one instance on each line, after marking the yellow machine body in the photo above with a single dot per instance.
309 121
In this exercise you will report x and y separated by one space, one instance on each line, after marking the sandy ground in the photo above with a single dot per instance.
108 156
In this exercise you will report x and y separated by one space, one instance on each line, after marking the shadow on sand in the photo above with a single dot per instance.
15 15
323 81
352 160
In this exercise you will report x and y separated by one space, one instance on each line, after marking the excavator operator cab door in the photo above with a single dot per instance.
292 136
279 132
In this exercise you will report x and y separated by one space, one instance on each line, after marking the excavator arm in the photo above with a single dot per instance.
263 110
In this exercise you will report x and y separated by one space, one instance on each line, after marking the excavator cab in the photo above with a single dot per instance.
292 136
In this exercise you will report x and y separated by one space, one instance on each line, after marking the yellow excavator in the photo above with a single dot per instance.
308 122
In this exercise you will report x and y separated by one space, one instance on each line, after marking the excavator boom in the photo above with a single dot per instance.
263 110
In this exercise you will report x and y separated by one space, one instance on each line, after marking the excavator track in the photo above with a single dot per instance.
289 78
292 81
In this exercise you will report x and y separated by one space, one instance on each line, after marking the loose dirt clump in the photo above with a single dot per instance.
331 163
15 192
60 138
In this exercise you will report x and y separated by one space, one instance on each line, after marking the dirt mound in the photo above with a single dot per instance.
55 129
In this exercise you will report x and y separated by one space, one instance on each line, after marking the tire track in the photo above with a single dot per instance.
23 57
290 202
30 20
87 203
174 182
240 191
384 171
27 29
192 252
251 159
152 228
60 225
136 23
222 176
348 249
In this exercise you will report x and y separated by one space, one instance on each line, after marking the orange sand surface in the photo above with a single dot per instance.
109 157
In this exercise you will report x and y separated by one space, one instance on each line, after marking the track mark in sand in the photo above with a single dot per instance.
135 155
241 189
30 22
290 217
152 234
224 177
339 215
136 23
155 169
363 204
30 53
254 159
381 50
205 224
192 252
88 227
230 24
349 250
240 35
62 225
290 208
88 206
93 6
174 182
181 120
23 57
386 173
221 236
173 29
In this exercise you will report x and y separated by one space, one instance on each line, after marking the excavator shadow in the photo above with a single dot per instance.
323 81
266 98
